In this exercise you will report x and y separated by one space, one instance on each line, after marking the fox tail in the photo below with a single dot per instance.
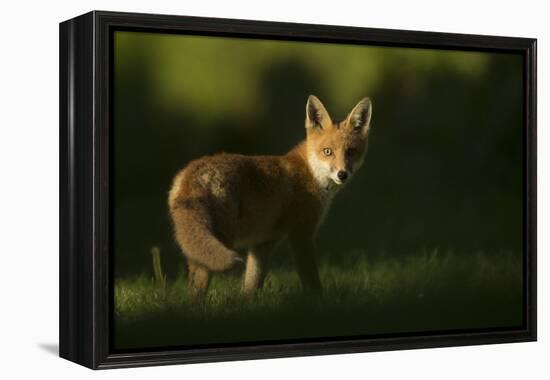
193 232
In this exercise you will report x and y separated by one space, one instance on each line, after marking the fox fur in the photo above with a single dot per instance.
225 203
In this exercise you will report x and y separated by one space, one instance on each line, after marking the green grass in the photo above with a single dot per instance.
362 296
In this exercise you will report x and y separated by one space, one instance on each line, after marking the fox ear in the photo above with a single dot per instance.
359 117
317 116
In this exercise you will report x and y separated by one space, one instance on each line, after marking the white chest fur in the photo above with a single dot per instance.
327 188
321 172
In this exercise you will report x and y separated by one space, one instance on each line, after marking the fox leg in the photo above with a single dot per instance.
199 278
304 256
255 272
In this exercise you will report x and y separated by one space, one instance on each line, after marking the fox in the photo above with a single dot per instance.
225 203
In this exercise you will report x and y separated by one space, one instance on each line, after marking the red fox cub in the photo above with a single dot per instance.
223 203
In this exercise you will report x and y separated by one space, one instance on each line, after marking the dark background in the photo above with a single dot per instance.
444 168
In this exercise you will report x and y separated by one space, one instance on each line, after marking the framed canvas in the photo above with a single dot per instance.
235 189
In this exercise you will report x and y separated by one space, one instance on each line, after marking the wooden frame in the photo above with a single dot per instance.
85 178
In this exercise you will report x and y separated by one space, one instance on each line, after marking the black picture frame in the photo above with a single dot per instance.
85 184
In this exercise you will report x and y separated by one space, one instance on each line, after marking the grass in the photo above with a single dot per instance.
424 292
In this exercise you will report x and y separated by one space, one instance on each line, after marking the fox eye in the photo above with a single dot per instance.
327 152
350 152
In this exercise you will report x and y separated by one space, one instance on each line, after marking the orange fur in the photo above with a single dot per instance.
228 202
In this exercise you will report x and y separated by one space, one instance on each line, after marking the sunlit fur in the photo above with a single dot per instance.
225 203
346 140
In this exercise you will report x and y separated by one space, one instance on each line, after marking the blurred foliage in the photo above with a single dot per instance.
444 167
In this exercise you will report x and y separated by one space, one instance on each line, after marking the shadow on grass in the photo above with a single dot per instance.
421 293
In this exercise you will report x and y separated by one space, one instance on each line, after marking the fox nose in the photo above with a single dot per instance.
342 175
